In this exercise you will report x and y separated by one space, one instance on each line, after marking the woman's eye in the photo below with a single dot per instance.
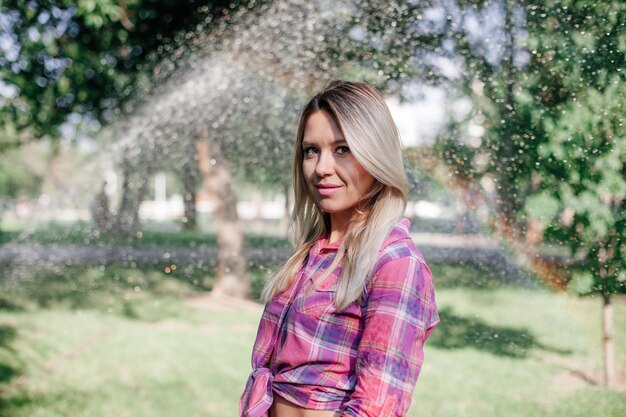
343 150
308 150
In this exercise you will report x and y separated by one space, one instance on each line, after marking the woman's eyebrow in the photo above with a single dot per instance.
307 143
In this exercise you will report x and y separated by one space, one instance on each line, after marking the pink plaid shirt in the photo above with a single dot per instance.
362 362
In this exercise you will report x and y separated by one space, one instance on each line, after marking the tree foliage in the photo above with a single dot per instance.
578 81
552 105
60 57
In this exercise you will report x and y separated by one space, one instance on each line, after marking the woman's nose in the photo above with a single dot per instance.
325 164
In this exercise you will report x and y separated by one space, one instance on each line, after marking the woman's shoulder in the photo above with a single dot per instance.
398 244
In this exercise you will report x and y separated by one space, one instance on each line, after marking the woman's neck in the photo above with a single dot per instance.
335 236
340 224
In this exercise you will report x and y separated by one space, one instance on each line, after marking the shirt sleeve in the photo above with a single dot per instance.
399 315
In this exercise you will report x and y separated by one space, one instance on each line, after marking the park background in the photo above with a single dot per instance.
144 192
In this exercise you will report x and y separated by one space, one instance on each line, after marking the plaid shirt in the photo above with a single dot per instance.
362 362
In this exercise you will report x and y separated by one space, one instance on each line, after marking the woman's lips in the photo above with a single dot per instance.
327 189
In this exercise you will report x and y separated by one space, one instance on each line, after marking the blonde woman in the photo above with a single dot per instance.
346 317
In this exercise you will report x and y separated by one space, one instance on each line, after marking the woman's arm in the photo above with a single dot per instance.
400 314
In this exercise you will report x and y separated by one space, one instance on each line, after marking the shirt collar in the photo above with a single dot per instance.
322 245
401 230
398 232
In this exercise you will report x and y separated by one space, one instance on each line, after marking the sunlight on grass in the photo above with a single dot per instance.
498 351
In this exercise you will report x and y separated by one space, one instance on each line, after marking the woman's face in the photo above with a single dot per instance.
334 177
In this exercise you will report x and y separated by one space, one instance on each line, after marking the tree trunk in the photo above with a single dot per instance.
607 342
124 219
232 278
139 164
508 201
102 213
189 175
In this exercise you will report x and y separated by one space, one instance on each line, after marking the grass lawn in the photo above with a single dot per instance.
137 346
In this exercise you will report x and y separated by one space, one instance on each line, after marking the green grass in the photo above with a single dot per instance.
107 349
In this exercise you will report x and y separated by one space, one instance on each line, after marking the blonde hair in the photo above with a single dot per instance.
366 123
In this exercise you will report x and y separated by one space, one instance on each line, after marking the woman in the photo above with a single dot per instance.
346 317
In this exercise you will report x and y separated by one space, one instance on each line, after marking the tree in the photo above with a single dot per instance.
233 92
552 105
368 40
578 81
88 57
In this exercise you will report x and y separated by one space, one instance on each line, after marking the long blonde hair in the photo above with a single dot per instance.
366 123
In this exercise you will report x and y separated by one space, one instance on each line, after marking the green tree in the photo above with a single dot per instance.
66 60
552 105
230 95
86 57
578 82
90 58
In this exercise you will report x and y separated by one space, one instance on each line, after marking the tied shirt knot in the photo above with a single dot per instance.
259 390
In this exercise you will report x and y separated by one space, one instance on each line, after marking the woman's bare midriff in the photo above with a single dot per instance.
283 408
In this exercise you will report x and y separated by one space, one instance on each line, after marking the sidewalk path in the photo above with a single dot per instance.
473 249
